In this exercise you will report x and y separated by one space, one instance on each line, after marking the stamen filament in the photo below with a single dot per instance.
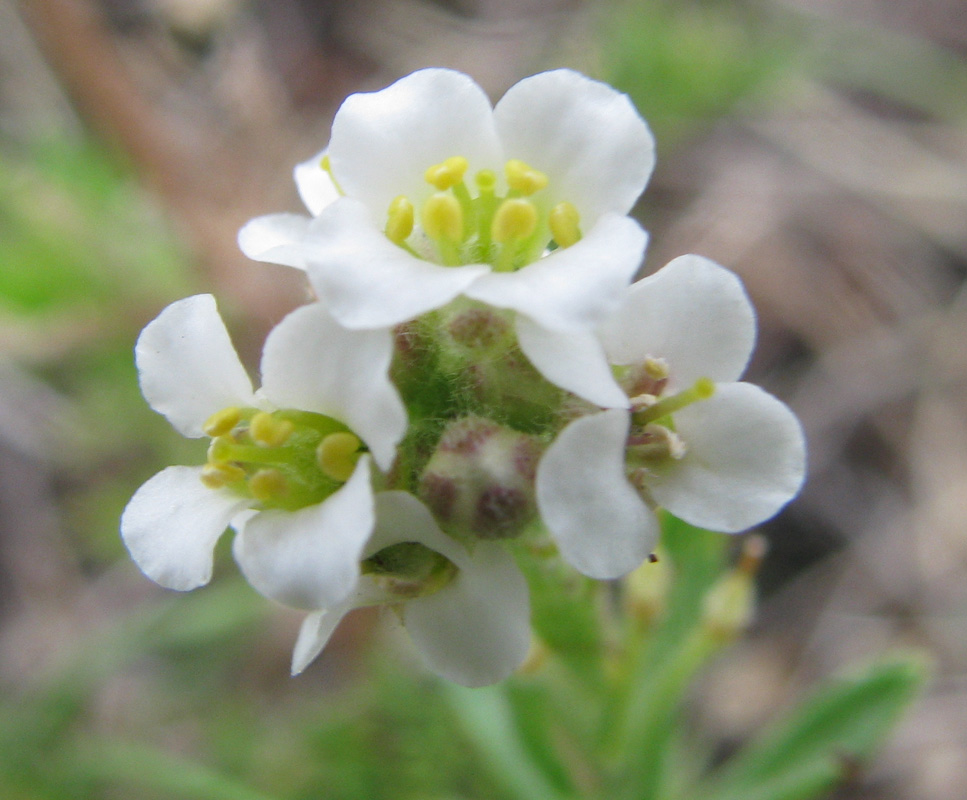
702 389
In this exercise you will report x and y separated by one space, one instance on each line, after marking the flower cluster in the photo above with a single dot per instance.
478 370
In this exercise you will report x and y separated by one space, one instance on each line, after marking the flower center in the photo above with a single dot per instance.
652 439
458 225
282 459
409 569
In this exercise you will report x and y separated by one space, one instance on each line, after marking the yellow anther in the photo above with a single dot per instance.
221 422
447 174
337 455
486 181
221 449
217 476
268 484
523 178
564 224
324 163
442 217
399 223
515 219
656 368
269 431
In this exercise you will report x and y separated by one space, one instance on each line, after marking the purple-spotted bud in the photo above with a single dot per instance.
480 480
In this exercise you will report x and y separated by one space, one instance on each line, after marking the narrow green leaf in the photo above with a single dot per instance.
486 716
841 724
122 764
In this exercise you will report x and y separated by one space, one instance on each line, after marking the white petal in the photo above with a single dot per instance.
314 635
275 239
694 314
310 558
476 630
574 361
367 281
312 363
172 523
588 138
600 523
188 367
574 287
400 517
318 627
383 142
315 184
745 459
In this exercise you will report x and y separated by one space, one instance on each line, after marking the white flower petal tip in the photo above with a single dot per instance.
588 137
657 318
316 186
171 525
275 239
313 363
746 459
601 525
476 631
310 558
187 365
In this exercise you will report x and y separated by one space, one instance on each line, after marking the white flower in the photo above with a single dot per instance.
397 230
718 453
473 630
286 462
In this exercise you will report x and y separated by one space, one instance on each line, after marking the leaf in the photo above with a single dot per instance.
826 737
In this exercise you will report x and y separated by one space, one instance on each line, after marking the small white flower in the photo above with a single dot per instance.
286 462
474 629
718 453
426 192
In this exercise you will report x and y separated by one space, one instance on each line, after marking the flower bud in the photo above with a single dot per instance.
480 480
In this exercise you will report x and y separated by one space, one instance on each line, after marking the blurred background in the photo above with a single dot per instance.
817 147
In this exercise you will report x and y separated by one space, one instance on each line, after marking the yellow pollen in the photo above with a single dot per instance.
523 178
269 431
399 224
267 484
337 455
217 476
563 222
442 217
221 422
515 219
324 163
447 174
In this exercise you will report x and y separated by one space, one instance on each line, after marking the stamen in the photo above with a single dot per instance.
564 224
217 476
269 431
447 174
523 178
268 484
702 389
337 455
399 223
515 219
221 422
656 368
442 217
